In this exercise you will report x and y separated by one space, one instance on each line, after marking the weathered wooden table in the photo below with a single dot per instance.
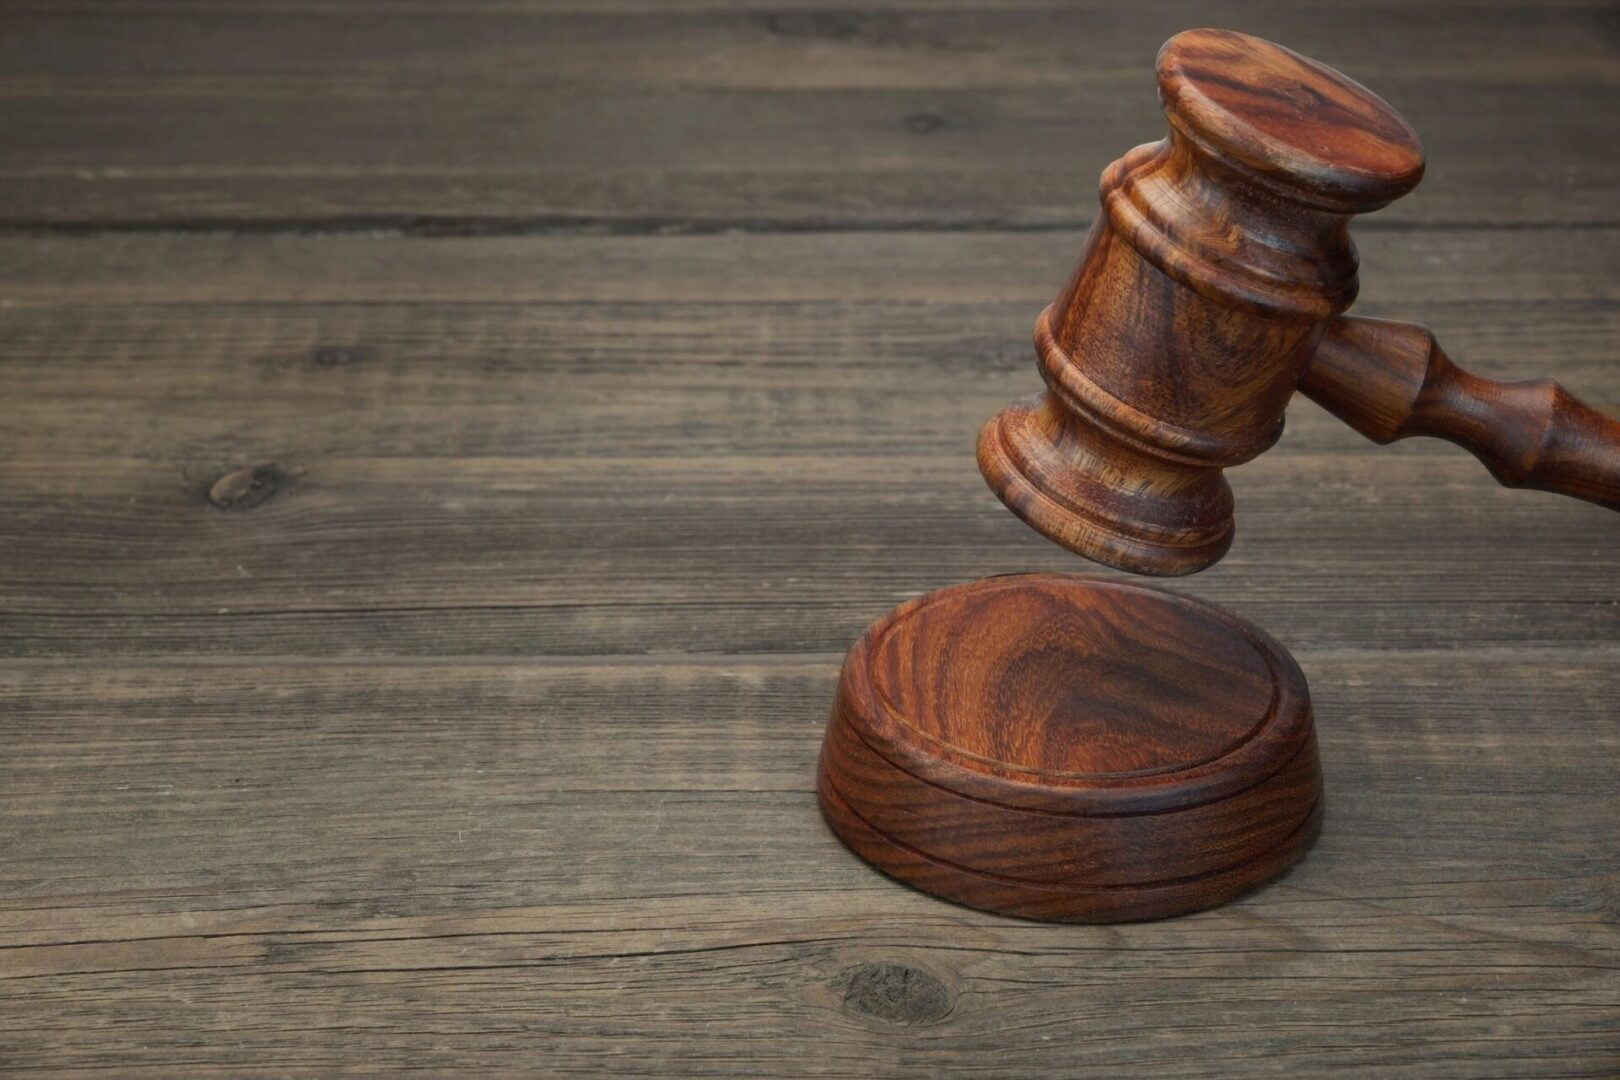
598 371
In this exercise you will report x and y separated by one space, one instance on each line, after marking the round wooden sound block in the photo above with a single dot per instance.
1072 749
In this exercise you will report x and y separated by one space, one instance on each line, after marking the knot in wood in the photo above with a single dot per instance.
246 488
827 25
895 992
335 356
923 123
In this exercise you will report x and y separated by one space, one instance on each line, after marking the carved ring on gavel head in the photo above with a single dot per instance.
1212 287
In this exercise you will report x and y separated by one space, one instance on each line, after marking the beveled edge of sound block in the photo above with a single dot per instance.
1071 749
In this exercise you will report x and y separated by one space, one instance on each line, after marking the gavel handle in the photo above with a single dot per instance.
1389 380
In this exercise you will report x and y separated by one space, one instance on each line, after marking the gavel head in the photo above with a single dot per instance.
1201 293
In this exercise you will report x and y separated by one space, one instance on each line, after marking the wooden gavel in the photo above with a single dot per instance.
1212 287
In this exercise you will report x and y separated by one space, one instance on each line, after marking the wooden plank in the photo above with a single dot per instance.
217 384
814 11
1403 272
510 117
467 807
654 443
480 736
428 556
73 46
617 865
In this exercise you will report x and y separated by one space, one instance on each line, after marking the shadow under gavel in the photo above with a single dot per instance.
1212 287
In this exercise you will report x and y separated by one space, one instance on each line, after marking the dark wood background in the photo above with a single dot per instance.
601 369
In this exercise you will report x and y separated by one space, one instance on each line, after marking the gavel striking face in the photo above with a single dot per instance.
1212 287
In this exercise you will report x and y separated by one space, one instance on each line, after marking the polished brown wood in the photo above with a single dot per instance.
1199 300
1390 380
486 744
1072 749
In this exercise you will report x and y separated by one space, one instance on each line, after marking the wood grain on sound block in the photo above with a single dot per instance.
1072 749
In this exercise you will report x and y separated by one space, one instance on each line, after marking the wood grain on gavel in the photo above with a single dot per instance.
1389 380
1211 288
1072 749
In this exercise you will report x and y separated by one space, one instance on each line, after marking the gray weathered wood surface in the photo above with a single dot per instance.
481 736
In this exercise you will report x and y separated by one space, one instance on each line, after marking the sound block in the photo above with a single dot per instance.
1072 749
